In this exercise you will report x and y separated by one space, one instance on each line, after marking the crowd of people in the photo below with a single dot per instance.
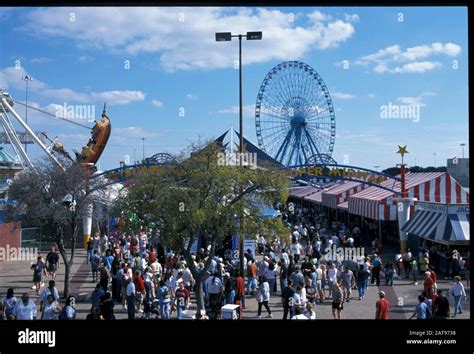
133 274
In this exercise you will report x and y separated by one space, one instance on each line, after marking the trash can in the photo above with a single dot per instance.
230 312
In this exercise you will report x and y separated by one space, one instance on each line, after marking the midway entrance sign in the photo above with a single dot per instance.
326 171
346 172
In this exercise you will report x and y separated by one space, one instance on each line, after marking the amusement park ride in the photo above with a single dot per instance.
88 156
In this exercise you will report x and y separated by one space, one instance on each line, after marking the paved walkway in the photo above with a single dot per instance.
402 296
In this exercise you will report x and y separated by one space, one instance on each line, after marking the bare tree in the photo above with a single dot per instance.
55 199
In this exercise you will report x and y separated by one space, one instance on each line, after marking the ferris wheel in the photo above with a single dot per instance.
294 115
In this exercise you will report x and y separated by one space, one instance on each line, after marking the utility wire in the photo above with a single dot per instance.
53 115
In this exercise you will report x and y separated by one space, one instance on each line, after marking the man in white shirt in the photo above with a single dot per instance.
131 299
25 309
45 292
285 256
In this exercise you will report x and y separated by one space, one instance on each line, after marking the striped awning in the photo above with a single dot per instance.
340 193
380 204
302 191
315 197
439 227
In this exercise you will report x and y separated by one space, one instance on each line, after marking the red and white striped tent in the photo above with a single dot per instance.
340 193
301 192
380 204
315 198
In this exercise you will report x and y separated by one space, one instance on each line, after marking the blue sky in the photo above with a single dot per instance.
152 65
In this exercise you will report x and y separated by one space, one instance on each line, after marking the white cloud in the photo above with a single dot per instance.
247 110
416 67
85 58
371 95
135 132
157 103
12 77
351 17
409 100
184 37
318 16
40 60
191 97
119 97
393 59
342 96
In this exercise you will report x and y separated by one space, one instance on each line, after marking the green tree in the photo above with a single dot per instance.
55 199
201 196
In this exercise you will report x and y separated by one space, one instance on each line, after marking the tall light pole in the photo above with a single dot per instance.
462 145
143 139
227 37
27 79
134 155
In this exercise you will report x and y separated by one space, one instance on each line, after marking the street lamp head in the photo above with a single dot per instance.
252 36
27 78
223 36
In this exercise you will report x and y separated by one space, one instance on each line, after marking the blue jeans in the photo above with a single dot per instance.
283 283
457 304
131 307
251 284
165 310
180 309
388 278
361 288
366 283
89 256
229 299
272 284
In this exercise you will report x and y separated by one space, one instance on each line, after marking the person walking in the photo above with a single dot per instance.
251 277
263 297
441 306
50 309
39 268
348 280
458 291
95 262
8 304
25 309
407 262
68 312
337 301
421 310
130 296
240 290
52 262
362 276
381 306
181 299
287 298
376 267
50 290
